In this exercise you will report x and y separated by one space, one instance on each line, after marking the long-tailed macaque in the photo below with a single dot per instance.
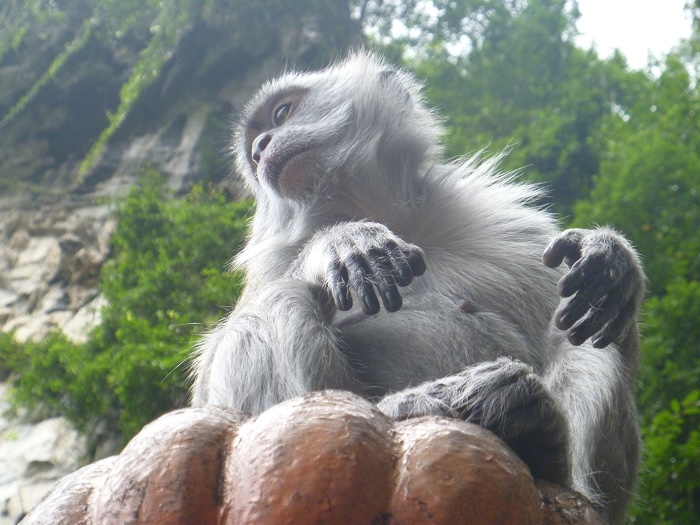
375 266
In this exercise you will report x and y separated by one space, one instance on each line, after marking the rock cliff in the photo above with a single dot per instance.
56 210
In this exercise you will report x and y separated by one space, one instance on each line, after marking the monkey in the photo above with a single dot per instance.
375 266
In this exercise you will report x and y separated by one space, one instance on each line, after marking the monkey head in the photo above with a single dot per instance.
305 134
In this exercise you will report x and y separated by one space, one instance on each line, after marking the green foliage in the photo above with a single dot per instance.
670 479
669 492
524 86
671 366
65 377
164 279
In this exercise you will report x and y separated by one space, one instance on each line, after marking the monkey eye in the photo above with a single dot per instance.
281 113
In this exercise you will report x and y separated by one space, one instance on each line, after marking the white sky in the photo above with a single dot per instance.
635 27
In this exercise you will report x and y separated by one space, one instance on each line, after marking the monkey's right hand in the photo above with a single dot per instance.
363 257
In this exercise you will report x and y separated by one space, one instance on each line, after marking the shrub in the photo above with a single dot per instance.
164 283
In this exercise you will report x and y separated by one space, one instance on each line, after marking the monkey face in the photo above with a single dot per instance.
318 134
275 158
287 142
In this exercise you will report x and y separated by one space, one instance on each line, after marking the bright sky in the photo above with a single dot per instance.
635 27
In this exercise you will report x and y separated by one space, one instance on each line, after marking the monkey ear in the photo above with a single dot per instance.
392 80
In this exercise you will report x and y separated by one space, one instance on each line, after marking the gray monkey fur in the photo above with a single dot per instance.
353 198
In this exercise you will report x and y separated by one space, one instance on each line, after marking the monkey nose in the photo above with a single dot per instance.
259 144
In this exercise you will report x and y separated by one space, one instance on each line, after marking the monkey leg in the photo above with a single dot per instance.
505 397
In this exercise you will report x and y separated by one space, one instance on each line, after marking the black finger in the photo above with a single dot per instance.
416 262
593 321
566 246
400 269
381 268
583 271
603 339
338 284
612 305
615 328
369 301
390 295
573 311
592 294
403 275
358 274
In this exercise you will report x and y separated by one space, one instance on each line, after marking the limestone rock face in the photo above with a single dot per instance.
56 220
50 260
32 458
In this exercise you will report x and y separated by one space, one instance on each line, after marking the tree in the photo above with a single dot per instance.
522 85
649 187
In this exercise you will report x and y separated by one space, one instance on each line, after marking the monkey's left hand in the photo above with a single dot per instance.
608 282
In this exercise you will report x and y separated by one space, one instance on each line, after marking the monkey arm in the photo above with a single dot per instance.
280 341
276 345
593 389
592 379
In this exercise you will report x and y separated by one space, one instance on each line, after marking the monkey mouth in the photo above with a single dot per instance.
283 167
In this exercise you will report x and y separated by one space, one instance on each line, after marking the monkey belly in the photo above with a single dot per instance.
392 351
